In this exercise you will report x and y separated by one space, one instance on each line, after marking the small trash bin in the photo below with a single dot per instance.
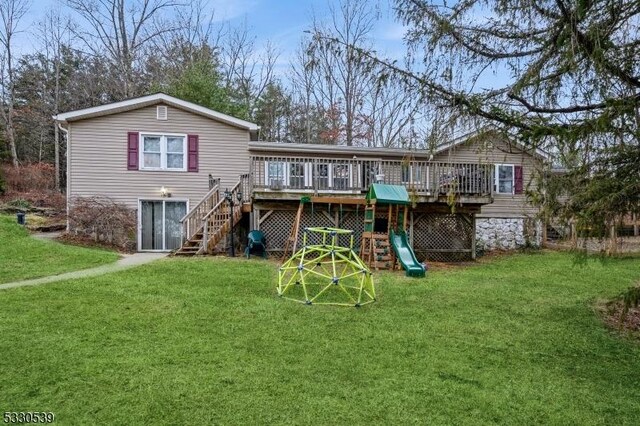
21 218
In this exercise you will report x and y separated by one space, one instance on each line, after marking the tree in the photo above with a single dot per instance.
11 13
201 83
331 73
247 72
273 111
54 35
567 79
342 78
121 29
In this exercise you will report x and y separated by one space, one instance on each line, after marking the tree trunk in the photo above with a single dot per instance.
11 136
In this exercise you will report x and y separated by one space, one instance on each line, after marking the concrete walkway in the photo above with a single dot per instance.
127 261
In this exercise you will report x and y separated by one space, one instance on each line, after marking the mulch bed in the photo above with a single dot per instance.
79 240
611 313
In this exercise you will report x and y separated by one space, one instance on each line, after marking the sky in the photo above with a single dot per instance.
282 22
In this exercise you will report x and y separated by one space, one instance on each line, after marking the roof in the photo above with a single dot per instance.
363 151
388 194
157 98
331 149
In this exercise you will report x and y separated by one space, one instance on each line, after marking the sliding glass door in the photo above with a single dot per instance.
160 224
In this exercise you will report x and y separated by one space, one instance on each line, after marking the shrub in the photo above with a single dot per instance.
3 184
630 299
20 204
103 220
29 177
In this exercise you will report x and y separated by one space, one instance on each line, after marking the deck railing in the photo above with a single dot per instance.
220 217
192 221
333 175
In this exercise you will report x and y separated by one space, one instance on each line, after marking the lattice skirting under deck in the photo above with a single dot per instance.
436 237
442 237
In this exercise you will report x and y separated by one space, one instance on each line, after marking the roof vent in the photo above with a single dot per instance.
161 112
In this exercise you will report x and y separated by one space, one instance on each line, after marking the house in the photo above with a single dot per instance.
172 160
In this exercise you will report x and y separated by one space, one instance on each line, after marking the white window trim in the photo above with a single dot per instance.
496 181
140 200
424 174
305 175
285 172
163 151
332 177
309 175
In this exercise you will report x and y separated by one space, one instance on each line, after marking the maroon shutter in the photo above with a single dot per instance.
517 179
132 151
192 159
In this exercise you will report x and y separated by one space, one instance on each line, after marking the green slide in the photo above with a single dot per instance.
406 256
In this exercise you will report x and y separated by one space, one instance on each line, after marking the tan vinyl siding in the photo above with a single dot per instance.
494 152
98 156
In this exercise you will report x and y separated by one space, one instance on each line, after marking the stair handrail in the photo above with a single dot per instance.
224 217
190 222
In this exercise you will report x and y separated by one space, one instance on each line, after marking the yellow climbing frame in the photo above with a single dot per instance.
326 273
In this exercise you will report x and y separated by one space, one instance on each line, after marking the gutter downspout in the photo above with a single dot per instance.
66 135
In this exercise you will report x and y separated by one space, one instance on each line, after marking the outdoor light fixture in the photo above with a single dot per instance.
239 195
164 192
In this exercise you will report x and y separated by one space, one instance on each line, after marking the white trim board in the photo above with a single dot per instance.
135 103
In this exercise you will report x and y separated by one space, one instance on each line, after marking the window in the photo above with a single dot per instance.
504 178
321 174
296 175
275 171
163 152
341 176
411 173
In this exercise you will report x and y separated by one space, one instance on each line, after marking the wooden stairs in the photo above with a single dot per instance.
210 221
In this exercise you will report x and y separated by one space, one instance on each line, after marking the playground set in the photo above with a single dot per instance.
326 273
384 242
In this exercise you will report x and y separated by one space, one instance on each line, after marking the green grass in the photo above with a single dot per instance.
206 341
23 257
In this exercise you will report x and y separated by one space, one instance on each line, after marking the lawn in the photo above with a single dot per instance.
206 341
23 257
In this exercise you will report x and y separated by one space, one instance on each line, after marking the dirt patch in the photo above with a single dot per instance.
611 313
83 241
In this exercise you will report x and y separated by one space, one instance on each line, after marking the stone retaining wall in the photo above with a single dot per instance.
505 233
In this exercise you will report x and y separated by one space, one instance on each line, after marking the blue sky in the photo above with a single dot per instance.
280 21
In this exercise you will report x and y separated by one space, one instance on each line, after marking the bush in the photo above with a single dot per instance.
103 220
630 299
29 177
19 204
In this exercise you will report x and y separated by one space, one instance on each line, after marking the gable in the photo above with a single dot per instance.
488 147
150 100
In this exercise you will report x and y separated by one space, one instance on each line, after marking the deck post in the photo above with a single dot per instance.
411 228
205 236
473 236
543 243
635 225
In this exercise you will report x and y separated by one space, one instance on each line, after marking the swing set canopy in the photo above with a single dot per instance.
380 193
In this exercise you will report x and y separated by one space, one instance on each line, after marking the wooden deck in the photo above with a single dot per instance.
290 177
